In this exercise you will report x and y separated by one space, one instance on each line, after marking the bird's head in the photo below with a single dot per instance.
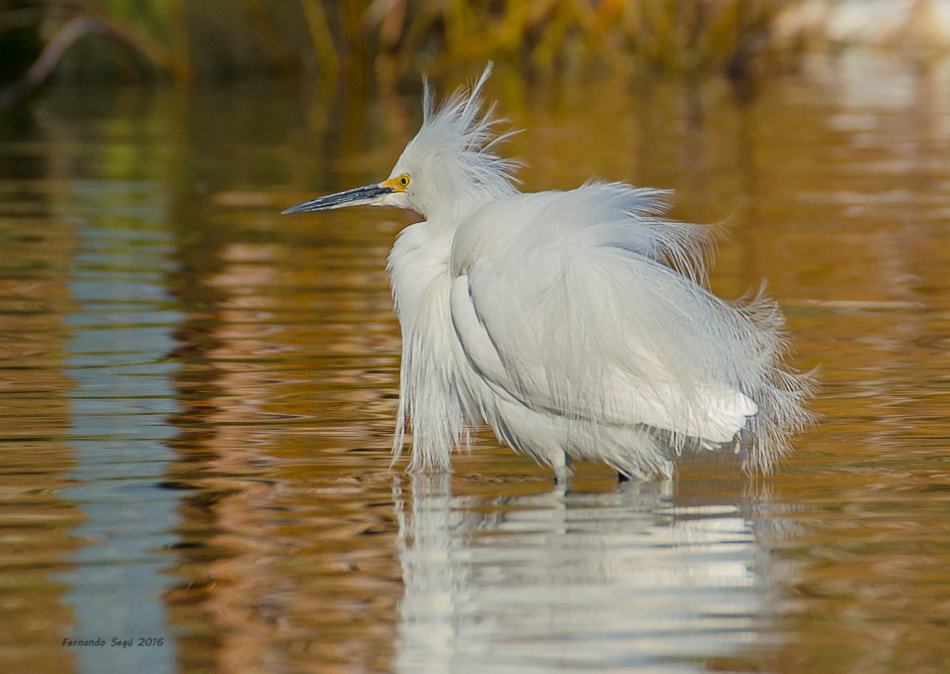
447 170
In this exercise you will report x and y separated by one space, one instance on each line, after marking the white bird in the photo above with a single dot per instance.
576 323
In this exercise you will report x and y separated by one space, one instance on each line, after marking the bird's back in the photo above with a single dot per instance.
587 308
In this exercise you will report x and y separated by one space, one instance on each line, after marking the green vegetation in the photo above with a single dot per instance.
215 39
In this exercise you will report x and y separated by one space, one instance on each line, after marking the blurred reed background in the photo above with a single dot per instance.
42 40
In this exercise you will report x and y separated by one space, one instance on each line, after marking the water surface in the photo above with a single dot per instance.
197 394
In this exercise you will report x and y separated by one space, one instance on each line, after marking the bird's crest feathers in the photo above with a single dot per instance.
460 135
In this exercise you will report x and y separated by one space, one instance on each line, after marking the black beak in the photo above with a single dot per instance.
369 195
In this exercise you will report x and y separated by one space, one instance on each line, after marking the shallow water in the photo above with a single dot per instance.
197 394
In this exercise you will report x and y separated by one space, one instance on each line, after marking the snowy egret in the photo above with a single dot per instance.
577 324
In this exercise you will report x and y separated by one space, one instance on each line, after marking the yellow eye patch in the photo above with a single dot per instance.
398 184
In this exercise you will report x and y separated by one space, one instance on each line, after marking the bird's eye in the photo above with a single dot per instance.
403 180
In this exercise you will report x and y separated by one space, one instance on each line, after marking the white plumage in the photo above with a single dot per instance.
576 324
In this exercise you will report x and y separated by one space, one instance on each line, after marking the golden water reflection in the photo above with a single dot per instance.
35 521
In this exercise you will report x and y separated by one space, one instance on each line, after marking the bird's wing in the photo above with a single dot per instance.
582 320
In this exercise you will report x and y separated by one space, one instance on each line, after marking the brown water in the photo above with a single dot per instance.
197 394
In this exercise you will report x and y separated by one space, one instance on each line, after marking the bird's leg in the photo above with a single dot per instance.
563 469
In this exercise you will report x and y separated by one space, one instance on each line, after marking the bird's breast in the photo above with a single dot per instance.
419 275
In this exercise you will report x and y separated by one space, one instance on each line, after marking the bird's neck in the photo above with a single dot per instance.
449 214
